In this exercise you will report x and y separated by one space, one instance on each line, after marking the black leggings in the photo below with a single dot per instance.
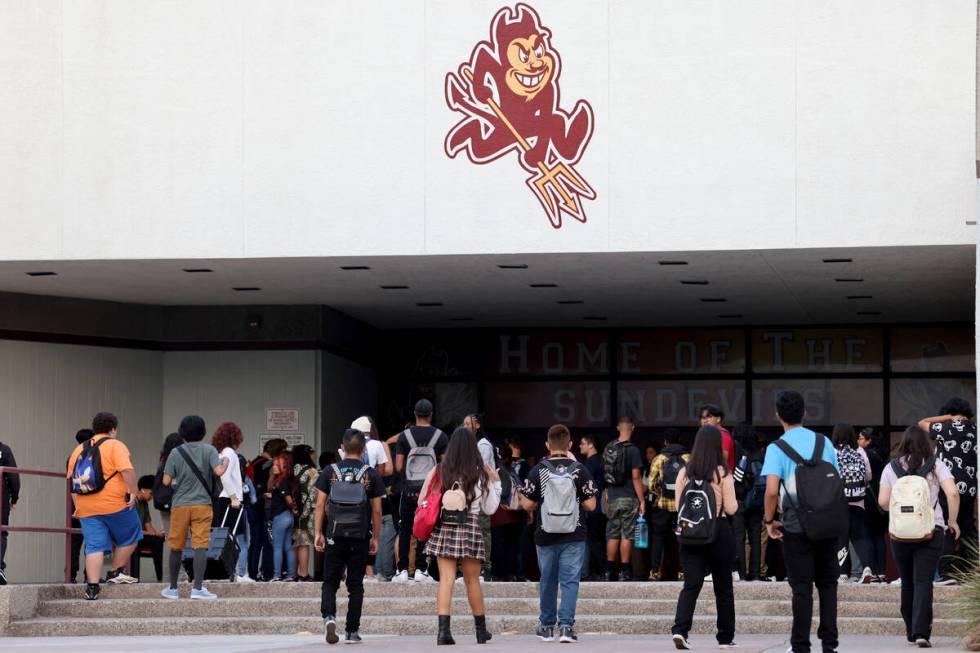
856 537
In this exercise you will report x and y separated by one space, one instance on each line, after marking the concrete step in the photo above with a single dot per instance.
392 606
666 591
658 625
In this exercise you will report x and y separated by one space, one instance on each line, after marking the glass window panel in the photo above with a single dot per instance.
913 399
933 349
828 401
816 350
676 403
541 404
682 352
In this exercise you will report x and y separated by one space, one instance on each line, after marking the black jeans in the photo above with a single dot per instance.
406 510
595 538
753 528
697 562
506 549
953 561
916 564
352 555
876 534
661 526
3 538
76 548
259 546
856 537
155 545
738 541
809 563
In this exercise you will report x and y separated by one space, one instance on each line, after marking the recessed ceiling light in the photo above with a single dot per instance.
594 318
246 288
672 262
394 287
197 270
44 273
513 266
847 280
869 312
859 297
569 302
543 285
428 304
730 315
460 319
694 282
354 267
971 223
837 260
713 300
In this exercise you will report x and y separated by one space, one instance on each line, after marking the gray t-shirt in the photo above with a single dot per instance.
188 490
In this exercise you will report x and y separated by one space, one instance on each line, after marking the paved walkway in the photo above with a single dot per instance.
297 643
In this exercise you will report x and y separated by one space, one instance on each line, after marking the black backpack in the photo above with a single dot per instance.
668 480
821 504
697 514
348 505
615 462
163 495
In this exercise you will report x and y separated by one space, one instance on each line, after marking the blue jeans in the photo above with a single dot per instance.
560 564
242 537
282 542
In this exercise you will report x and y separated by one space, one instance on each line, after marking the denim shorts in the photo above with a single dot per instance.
100 531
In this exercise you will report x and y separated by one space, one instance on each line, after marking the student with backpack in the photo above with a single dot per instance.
461 486
855 470
662 483
560 490
705 498
624 501
348 500
417 452
191 469
103 489
802 476
260 541
875 519
910 487
754 452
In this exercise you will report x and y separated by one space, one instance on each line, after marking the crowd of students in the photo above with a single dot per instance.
813 509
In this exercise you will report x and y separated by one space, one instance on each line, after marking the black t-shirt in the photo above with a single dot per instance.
534 491
634 460
279 493
956 445
373 483
422 435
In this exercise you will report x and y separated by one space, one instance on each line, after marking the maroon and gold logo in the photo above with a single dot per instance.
509 96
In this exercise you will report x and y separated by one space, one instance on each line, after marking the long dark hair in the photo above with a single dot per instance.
916 447
844 436
707 456
169 444
463 464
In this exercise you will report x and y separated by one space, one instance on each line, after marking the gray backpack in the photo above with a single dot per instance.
421 459
559 504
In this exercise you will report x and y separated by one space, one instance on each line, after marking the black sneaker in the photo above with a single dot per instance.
330 630
681 642
626 575
545 633
3 577
352 638
566 635
91 591
609 576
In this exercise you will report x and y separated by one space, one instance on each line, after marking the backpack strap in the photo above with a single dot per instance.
927 466
790 452
359 476
336 471
410 439
434 439
197 472
817 450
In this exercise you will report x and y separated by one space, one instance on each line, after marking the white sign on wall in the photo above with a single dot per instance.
282 419
292 439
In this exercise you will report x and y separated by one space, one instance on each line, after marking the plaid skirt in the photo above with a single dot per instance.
457 542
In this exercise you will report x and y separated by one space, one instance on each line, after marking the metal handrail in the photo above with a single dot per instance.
69 510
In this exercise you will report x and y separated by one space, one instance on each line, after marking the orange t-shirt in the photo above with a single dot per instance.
112 497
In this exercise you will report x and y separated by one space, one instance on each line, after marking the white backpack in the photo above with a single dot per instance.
559 505
911 516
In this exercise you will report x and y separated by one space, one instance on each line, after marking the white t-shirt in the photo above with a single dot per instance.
375 453
486 452
231 480
939 474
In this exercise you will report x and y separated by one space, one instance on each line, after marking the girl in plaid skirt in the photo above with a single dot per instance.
456 540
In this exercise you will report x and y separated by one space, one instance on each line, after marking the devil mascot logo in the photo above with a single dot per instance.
509 97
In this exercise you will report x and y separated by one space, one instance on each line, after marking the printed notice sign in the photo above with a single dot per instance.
282 419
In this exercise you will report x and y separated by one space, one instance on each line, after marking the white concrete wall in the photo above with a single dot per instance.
47 393
260 128
239 386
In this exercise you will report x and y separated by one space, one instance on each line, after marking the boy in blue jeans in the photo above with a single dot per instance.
559 491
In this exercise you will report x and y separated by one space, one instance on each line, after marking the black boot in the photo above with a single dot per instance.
444 636
482 634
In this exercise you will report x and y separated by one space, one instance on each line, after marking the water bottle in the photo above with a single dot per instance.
640 536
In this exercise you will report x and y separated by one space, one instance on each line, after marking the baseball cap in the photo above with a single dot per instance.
423 408
362 424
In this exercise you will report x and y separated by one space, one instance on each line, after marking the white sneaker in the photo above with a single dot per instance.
707 578
897 581
423 577
401 577
681 643
843 579
866 576
370 579
459 580
244 579
736 578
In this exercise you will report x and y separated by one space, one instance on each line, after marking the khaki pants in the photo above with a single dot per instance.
197 520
